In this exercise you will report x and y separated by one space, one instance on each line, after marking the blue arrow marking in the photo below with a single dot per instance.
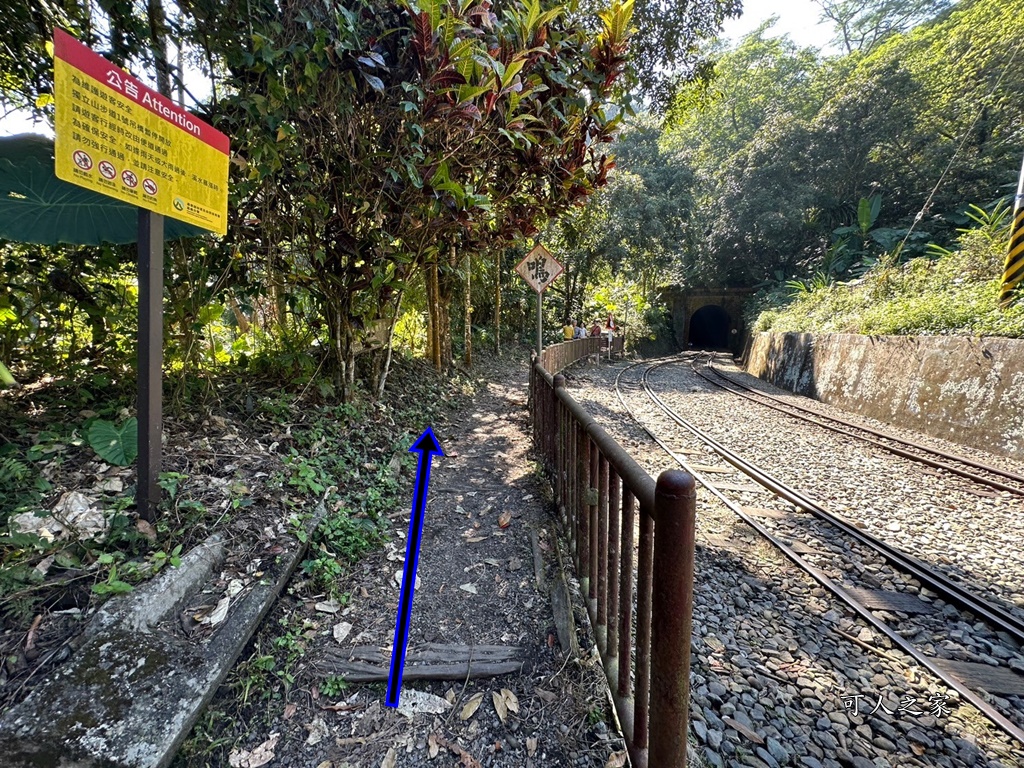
426 447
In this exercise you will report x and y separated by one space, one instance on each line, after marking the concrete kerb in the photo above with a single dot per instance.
134 689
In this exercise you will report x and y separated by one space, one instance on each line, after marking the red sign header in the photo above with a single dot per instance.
68 49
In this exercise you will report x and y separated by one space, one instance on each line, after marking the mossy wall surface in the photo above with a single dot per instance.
965 389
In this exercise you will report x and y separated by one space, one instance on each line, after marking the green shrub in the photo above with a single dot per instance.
953 294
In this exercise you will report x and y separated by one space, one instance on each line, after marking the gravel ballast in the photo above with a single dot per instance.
783 672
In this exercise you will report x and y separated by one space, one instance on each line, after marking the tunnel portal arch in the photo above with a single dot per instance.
709 328
686 305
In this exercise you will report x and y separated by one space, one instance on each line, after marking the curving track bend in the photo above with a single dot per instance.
812 492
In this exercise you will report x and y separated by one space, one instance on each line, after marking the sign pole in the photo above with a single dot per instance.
157 157
539 269
540 324
1013 267
151 348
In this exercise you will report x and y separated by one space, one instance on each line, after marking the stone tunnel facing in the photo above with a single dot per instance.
709 328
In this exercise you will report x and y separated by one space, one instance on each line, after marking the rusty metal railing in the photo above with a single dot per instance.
559 356
610 507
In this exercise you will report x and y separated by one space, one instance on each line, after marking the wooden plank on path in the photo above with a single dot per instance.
565 624
801 549
720 542
431 661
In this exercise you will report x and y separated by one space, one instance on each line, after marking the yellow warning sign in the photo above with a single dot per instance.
120 138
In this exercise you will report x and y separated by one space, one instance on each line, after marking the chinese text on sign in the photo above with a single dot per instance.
539 268
118 137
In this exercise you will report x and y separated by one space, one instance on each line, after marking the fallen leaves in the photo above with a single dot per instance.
505 702
499 706
471 588
217 615
146 529
505 519
390 759
318 730
261 755
413 702
738 726
471 706
616 760
546 696
435 742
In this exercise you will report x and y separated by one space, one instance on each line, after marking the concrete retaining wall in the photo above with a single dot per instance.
964 389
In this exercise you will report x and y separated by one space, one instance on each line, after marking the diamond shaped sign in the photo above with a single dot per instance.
539 268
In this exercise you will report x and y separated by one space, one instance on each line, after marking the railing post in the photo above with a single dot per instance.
614 542
625 688
602 555
574 484
560 442
644 602
592 505
583 520
671 616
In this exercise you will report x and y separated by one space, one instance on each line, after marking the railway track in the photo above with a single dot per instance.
976 471
787 535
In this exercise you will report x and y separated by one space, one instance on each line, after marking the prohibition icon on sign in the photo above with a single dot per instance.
82 159
150 186
107 171
130 179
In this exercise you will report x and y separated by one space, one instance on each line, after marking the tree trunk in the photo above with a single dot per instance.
435 329
467 355
497 304
280 307
341 349
381 379
240 318
447 281
158 44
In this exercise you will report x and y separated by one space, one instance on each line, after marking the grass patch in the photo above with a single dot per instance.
955 293
355 457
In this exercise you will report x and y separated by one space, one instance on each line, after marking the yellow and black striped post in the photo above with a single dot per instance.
1013 270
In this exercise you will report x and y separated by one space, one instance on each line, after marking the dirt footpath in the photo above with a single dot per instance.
487 560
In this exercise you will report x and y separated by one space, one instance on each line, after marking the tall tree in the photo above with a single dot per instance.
860 25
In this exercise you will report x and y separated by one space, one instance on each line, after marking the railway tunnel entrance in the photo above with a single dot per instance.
709 328
711 318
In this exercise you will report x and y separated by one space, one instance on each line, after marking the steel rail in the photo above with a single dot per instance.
925 661
995 615
783 405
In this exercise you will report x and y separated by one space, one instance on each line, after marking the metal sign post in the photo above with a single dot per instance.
540 323
539 269
1013 267
151 354
118 137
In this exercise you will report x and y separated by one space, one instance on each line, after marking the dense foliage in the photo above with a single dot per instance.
953 294
797 163
389 162
374 144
